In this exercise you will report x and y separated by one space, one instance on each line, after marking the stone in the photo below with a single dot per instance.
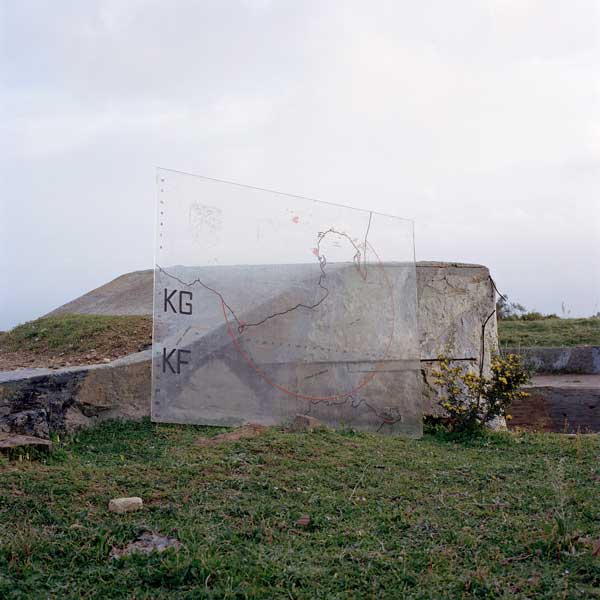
249 430
123 505
306 423
9 441
146 543
31 422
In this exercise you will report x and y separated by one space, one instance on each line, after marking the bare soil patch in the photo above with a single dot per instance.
246 431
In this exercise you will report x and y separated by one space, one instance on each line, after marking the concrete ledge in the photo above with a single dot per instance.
568 360
560 403
39 401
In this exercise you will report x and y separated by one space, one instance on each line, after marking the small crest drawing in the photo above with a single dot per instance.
205 223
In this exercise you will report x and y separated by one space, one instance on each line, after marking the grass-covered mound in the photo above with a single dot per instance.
504 516
72 339
550 332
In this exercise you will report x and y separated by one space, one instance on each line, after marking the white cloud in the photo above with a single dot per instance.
479 119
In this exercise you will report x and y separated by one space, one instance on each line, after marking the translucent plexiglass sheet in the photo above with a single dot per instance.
268 305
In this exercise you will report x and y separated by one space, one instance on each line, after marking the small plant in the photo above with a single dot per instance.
561 537
471 400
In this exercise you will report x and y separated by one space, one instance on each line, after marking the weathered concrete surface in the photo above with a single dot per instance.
39 401
353 360
566 360
560 403
453 301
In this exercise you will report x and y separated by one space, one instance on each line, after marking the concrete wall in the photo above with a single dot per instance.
453 301
41 401
576 359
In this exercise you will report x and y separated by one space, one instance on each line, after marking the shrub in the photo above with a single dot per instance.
507 310
532 315
513 311
471 400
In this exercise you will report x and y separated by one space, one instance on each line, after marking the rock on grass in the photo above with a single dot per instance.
123 505
146 543
306 423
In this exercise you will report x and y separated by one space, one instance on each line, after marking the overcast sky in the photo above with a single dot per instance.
479 119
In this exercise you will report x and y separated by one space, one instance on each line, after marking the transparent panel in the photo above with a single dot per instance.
268 305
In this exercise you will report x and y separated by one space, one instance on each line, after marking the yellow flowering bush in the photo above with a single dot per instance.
471 400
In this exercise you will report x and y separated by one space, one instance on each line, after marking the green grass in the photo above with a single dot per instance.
76 333
503 516
550 332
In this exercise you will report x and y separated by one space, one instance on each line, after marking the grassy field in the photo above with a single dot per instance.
503 516
550 332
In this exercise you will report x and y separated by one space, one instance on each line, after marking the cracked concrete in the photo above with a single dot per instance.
454 300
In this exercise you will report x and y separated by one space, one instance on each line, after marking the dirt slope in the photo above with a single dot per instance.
129 294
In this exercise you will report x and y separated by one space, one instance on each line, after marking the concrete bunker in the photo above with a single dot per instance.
453 300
